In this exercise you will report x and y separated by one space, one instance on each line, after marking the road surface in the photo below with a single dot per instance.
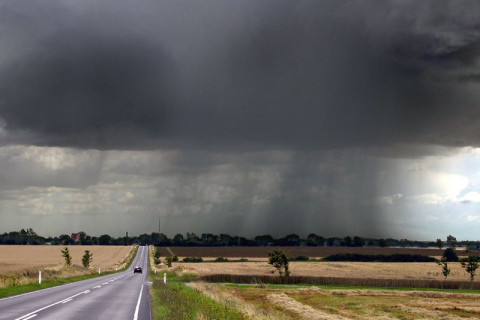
119 296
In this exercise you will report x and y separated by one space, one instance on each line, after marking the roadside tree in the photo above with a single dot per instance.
87 259
66 255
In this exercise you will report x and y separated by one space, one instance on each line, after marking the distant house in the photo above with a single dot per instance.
75 237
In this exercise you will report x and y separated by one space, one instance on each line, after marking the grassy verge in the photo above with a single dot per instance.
46 283
175 300
57 281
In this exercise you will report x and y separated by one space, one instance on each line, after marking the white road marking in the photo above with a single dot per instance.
30 317
67 300
46 289
96 287
135 317
27 316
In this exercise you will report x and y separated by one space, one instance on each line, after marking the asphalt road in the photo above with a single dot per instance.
119 296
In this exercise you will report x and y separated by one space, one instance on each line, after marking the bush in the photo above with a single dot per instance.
192 259
221 259
450 255
354 257
243 260
175 259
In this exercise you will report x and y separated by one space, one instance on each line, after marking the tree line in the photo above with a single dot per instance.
28 236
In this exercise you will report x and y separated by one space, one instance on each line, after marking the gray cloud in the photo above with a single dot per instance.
240 76
231 116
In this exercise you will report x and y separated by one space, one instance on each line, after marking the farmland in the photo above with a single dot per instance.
257 263
261 302
261 252
255 299
20 259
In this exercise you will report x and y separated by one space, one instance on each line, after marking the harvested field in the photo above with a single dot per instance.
312 252
360 270
316 303
18 259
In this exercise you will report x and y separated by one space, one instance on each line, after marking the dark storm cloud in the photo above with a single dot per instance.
239 75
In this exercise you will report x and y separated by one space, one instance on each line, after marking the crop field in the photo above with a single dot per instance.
360 270
19 259
316 303
312 252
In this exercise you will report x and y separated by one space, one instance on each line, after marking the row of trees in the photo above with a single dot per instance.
470 263
280 262
207 239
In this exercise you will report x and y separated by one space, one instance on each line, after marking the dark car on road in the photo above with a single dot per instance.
137 270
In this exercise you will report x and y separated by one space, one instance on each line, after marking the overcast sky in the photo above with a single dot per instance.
242 117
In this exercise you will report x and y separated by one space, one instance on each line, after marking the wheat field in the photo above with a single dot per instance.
376 270
19 259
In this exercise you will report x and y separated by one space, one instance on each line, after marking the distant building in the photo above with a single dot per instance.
75 237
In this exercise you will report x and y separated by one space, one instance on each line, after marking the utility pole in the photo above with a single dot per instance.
159 225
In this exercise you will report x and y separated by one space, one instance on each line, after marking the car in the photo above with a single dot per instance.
137 270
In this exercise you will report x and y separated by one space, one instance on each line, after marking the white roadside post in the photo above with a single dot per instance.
39 277
98 270
165 278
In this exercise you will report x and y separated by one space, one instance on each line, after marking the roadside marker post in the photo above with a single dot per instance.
98 270
165 278
39 277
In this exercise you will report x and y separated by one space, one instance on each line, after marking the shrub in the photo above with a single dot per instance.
221 259
168 261
450 255
175 259
192 259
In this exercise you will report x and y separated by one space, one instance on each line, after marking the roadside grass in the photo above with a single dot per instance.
56 280
175 300
46 283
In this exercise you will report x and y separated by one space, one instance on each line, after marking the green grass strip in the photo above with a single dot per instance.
175 300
